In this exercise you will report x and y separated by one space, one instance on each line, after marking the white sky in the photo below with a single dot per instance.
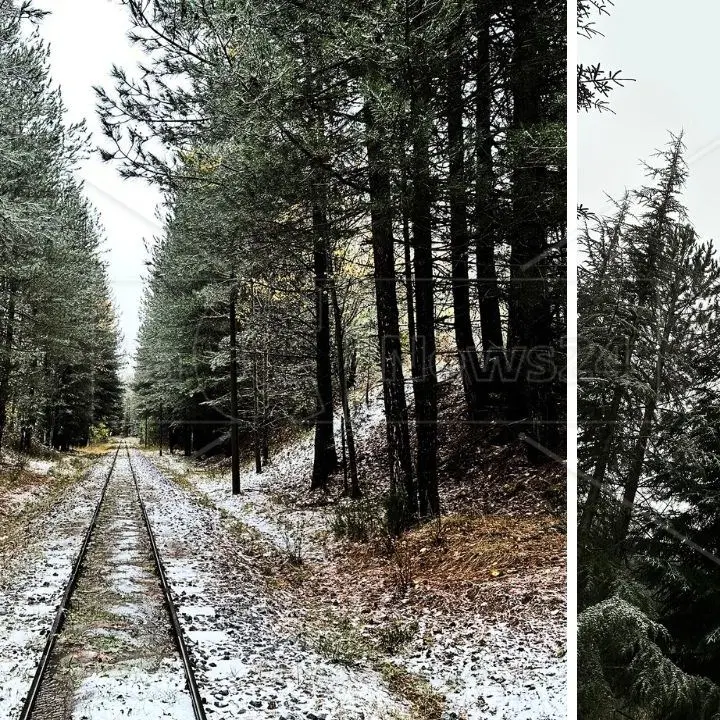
86 38
672 51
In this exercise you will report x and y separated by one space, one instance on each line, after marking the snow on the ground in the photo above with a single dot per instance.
15 502
285 477
40 467
37 466
247 663
487 670
13 499
31 592
108 665
140 691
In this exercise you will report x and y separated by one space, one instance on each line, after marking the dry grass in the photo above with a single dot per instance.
26 496
18 480
337 638
494 564
461 548
426 703
97 449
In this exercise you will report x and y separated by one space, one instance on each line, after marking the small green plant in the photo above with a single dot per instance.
396 512
394 636
99 433
341 644
294 540
358 521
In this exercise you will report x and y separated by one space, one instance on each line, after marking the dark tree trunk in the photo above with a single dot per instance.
396 414
352 369
265 447
425 379
187 440
470 367
637 461
234 429
344 457
347 419
26 433
486 229
532 406
325 460
258 454
265 432
637 455
6 363
409 279
257 402
160 429
257 431
607 436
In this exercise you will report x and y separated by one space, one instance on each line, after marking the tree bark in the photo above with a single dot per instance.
425 379
532 407
637 460
396 414
325 458
265 440
347 419
160 429
607 437
485 203
234 429
470 367
257 440
409 279
637 456
6 363
187 440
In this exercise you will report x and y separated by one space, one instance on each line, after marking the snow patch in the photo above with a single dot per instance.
152 693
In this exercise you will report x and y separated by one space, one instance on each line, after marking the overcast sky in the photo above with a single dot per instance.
87 37
672 51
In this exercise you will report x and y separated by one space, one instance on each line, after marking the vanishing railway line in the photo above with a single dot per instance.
40 703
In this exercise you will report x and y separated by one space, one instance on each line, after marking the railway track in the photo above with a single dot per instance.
45 664
170 605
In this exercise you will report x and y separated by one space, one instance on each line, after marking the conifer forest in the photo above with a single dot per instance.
324 476
648 450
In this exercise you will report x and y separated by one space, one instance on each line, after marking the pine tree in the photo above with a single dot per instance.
304 133
59 357
648 325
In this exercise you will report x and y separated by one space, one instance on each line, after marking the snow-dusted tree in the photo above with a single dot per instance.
59 365
307 132
649 307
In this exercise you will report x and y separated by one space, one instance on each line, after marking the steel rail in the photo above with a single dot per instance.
32 696
178 636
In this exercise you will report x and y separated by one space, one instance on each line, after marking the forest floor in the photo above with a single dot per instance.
463 618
